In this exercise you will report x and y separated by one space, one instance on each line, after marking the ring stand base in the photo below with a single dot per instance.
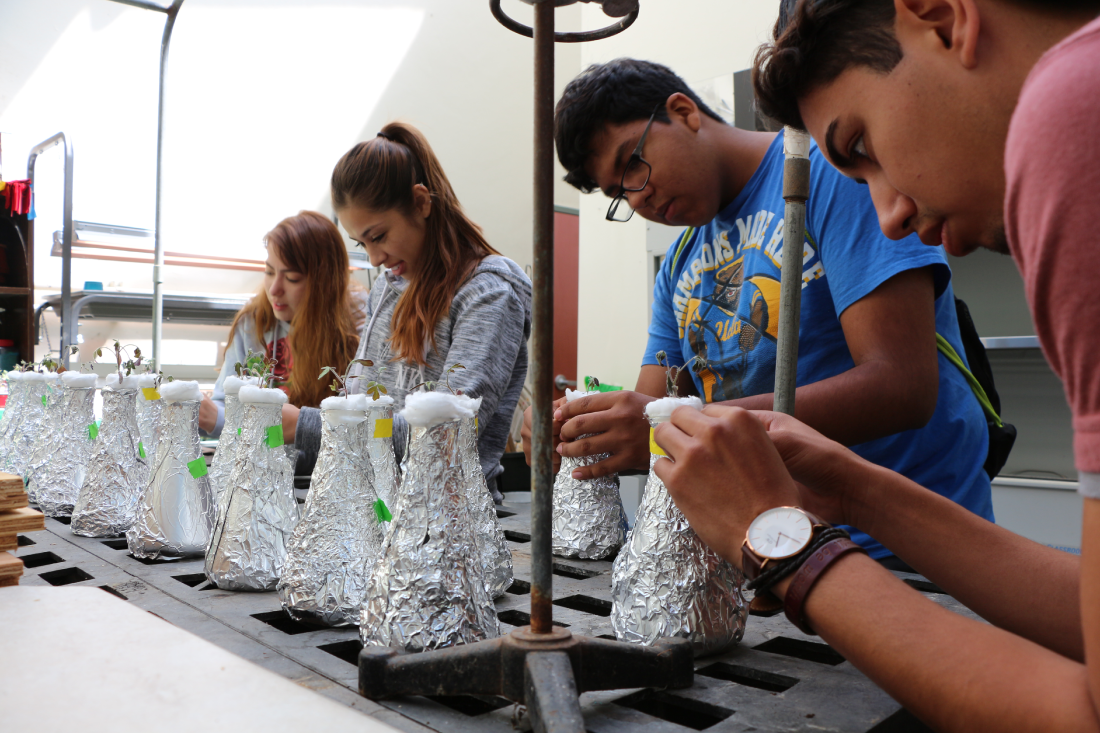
545 672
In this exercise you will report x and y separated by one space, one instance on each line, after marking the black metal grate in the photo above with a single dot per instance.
191 580
346 650
748 676
116 544
63 520
684 711
113 592
66 576
25 541
519 587
502 513
902 721
39 559
518 537
152 561
924 586
516 617
811 651
284 623
586 604
569 571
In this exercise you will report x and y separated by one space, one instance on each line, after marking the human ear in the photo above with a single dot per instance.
955 23
680 107
422 200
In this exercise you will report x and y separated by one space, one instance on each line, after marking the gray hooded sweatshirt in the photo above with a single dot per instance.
485 330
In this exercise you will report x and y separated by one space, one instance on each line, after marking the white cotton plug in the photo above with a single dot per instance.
180 391
232 385
250 394
76 380
352 403
661 410
428 409
576 394
146 381
113 383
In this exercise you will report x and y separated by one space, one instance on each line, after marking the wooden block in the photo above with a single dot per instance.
13 501
9 541
10 565
21 520
4 582
11 484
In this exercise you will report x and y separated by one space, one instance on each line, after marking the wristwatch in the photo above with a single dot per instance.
775 535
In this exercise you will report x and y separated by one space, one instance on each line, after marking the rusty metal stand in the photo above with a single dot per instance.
544 667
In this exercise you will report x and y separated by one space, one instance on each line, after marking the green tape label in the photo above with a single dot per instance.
141 449
238 431
43 400
274 436
197 467
382 512
93 431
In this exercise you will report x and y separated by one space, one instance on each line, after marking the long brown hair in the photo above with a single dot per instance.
379 174
323 329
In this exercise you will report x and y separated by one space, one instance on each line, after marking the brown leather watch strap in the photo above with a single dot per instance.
806 575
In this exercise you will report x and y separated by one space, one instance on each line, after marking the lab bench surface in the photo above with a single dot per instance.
777 679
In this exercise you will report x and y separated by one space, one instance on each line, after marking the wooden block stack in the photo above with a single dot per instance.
15 517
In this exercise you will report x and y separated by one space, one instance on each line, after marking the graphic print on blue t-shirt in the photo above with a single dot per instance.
717 297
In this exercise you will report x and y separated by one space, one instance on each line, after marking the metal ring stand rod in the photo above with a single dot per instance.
796 191
68 328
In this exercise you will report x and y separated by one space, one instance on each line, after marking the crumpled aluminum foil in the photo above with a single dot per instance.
588 520
427 591
258 512
334 547
492 545
116 474
57 480
13 408
667 582
148 413
387 477
175 513
33 438
222 464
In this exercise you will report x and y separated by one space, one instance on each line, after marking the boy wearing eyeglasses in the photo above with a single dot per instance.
869 375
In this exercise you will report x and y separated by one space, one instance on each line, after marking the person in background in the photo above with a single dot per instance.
973 123
869 374
446 297
306 317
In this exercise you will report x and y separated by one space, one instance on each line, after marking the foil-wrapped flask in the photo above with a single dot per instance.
428 589
116 472
257 513
175 512
148 407
222 464
387 477
58 480
490 542
666 582
13 407
32 442
334 547
588 520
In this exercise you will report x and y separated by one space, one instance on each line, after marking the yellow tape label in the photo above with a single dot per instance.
150 393
653 447
383 427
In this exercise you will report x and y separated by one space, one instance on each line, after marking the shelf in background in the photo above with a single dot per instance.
4 290
1011 342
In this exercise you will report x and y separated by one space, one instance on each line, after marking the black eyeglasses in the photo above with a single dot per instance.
635 177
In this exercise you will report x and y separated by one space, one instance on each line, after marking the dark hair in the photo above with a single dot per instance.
380 174
623 90
815 41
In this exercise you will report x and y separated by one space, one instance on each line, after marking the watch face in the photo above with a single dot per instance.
780 533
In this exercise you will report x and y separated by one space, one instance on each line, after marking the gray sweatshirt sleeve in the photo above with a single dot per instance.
307 439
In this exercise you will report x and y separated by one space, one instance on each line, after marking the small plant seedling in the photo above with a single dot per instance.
672 373
373 388
430 386
259 366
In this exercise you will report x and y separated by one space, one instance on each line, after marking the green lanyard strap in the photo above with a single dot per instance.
947 350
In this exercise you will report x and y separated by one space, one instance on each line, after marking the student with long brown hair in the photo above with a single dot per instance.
446 296
305 317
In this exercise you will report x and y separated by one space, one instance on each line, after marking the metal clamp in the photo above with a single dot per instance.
577 37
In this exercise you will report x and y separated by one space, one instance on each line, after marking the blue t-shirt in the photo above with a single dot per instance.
717 296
